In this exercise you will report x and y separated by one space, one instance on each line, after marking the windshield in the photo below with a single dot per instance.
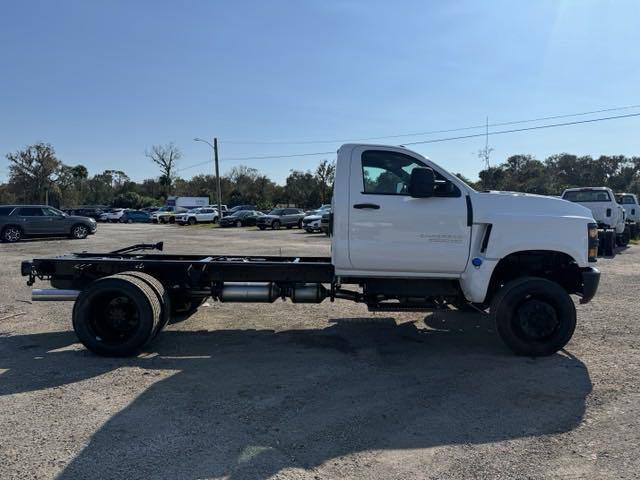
587 196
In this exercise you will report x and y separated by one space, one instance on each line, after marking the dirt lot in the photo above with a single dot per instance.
320 391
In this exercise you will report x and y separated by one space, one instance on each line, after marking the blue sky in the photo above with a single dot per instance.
103 81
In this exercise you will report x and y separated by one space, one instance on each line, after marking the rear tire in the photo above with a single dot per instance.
534 316
300 223
609 243
261 228
622 240
161 294
11 234
116 316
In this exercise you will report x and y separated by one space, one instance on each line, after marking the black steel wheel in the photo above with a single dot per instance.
11 234
534 316
161 294
116 316
79 231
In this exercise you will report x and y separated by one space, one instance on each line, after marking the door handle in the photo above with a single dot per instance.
372 206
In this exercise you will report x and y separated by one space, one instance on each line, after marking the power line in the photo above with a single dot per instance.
514 130
433 140
432 132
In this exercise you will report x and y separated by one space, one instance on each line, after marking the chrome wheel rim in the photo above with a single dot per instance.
12 234
80 232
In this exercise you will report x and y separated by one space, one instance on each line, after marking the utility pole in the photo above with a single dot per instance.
217 170
215 155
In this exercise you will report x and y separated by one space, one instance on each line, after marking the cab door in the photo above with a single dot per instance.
390 231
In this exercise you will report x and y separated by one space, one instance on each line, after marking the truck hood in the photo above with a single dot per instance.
488 204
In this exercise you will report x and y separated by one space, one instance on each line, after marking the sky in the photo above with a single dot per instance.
103 81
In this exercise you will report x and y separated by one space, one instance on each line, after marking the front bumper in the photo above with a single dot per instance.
590 282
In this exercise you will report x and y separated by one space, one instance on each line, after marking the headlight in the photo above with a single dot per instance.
593 241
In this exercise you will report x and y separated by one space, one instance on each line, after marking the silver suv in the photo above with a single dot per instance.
19 221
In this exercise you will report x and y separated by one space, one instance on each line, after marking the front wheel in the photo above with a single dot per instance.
534 316
192 221
238 223
275 225
79 232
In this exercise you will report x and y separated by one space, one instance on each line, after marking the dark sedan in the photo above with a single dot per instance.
135 216
281 217
19 221
242 218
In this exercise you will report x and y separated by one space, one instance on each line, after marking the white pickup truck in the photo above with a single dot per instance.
609 215
406 235
629 201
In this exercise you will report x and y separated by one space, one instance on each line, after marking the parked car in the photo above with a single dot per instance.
238 208
150 210
166 214
198 215
281 217
324 222
19 221
92 212
243 218
135 216
311 222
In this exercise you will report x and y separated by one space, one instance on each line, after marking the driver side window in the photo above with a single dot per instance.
388 173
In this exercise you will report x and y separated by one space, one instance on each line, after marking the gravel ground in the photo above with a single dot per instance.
313 391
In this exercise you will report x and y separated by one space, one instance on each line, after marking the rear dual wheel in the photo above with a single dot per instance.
119 315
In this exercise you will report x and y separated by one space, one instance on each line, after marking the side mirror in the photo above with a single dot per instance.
422 182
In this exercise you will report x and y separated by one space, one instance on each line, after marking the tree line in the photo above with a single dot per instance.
525 173
37 175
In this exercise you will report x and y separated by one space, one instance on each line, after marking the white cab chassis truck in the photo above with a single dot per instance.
609 215
406 235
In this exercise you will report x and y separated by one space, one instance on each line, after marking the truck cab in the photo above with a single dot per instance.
385 226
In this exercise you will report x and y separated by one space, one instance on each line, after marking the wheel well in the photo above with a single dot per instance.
12 225
555 266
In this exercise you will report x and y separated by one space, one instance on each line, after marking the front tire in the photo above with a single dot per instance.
238 223
534 316
275 225
11 234
79 232
192 221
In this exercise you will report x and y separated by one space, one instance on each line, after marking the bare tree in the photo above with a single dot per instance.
166 157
